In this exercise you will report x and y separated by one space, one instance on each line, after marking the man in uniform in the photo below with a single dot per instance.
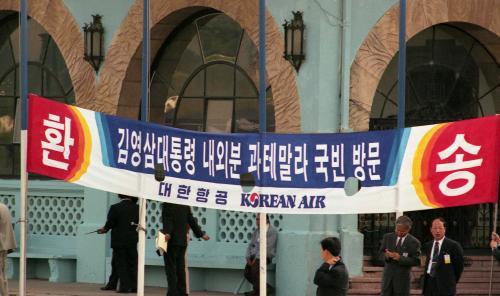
122 218
177 220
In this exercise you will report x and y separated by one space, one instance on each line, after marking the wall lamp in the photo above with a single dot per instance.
294 40
93 37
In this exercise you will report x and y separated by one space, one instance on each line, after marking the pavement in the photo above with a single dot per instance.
46 288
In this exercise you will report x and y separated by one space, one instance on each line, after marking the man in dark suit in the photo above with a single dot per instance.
177 219
444 263
122 218
400 251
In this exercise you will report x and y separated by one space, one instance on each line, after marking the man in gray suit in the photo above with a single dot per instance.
400 251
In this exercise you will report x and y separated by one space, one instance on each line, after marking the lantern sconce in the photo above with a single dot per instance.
93 38
294 40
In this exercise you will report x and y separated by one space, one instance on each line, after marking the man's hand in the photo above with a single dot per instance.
392 255
493 244
205 237
495 240
495 237
167 237
102 230
395 256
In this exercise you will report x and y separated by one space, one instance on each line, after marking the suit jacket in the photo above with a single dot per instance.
176 222
7 238
121 217
332 281
397 273
496 253
447 275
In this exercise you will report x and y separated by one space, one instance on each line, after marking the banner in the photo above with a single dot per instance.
425 167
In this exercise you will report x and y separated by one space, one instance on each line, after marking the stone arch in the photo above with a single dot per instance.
116 76
56 19
381 44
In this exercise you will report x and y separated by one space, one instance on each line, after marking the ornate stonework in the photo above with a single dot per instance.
56 19
381 44
118 89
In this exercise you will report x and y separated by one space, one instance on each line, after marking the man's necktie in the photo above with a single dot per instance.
434 259
398 244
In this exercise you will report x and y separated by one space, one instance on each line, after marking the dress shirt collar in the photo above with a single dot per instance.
402 239
440 242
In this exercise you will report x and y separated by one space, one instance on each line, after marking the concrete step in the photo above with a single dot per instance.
460 292
474 280
465 283
471 261
496 268
375 291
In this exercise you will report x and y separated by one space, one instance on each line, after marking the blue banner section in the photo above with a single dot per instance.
275 160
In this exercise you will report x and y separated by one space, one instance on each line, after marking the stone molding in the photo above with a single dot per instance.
124 50
381 44
57 20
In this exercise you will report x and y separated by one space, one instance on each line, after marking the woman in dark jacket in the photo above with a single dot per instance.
331 278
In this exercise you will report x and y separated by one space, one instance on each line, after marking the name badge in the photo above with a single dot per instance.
405 254
447 259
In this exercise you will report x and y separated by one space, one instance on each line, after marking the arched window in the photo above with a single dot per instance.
48 76
205 76
450 76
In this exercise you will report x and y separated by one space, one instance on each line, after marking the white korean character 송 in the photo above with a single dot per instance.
338 163
321 160
234 160
373 160
54 137
285 162
189 155
358 160
458 165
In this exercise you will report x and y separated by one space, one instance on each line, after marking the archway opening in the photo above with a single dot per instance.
451 75
48 77
204 77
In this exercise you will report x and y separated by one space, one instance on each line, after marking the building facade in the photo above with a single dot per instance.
204 78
